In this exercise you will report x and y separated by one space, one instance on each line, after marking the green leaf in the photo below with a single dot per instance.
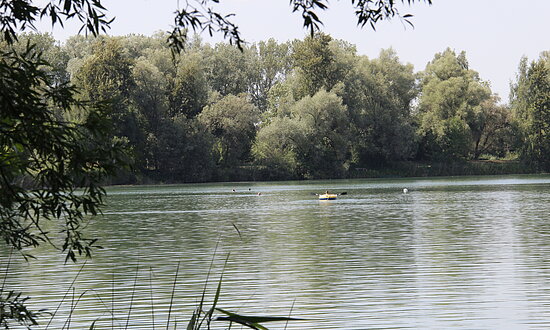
193 321
252 322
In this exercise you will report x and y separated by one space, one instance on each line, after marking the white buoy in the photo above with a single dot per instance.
405 190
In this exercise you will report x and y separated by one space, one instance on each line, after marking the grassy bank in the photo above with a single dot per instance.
408 169
418 169
402 169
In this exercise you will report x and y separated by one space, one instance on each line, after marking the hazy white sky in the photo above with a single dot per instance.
494 33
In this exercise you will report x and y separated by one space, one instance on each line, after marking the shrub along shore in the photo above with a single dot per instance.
403 169
303 109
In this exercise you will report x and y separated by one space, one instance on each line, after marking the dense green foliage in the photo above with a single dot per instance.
46 155
450 106
305 109
310 108
530 101
184 117
51 144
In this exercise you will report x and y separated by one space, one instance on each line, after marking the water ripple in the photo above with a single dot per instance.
469 253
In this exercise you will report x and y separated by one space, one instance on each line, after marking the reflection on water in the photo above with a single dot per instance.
470 253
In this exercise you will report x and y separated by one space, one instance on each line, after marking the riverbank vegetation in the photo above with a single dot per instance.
305 109
74 115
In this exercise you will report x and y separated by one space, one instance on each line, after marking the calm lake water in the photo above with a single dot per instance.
452 253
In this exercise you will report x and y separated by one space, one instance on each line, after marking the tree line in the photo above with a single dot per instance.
310 108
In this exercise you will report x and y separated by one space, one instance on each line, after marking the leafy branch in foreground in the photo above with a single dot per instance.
367 11
202 16
372 11
14 310
19 15
45 159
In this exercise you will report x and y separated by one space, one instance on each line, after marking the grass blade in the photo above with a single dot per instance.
172 296
252 322
193 321
132 298
113 302
290 313
73 308
240 319
208 275
209 314
92 326
7 272
152 301
65 296
237 229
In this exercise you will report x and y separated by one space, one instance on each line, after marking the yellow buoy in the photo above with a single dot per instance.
327 197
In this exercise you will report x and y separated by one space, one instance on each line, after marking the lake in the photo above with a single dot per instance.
460 253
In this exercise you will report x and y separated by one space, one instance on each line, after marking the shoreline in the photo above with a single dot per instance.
404 169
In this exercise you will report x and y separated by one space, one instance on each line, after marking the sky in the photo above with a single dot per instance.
495 34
